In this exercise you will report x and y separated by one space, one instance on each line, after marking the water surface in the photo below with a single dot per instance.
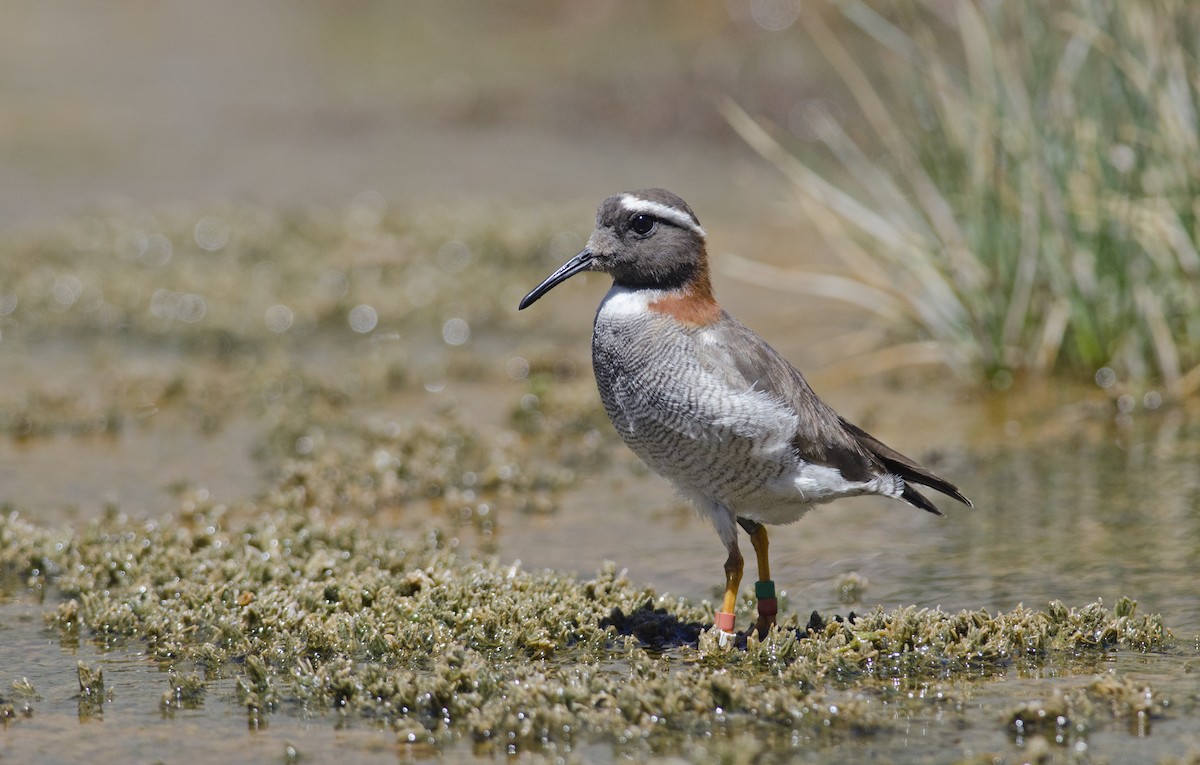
453 115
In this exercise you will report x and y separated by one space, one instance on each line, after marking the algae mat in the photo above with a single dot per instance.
309 616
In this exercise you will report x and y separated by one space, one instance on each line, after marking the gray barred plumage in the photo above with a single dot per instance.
707 403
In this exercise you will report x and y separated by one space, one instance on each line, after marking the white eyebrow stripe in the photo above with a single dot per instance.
659 210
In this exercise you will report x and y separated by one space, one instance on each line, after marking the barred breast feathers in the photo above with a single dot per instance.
659 377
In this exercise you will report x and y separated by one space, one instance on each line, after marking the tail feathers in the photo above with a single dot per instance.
897 463
917 499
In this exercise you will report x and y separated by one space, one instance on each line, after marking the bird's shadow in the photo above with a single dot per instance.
658 629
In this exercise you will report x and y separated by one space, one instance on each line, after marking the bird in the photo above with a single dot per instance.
708 404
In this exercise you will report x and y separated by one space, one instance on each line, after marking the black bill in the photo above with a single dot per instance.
580 262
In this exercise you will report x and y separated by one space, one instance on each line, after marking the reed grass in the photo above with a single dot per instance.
1015 188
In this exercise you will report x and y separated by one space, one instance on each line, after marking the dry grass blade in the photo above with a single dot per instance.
1018 179
845 289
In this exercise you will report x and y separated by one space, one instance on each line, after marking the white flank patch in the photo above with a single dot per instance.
659 210
819 483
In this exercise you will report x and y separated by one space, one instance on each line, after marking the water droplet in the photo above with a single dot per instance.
456 332
155 251
191 308
774 15
363 318
517 368
187 307
65 291
211 233
279 318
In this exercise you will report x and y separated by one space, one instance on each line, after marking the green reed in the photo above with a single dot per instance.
1014 186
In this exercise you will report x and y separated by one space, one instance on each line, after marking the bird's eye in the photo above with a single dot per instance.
642 224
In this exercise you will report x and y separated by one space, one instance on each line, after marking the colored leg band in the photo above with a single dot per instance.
724 621
768 606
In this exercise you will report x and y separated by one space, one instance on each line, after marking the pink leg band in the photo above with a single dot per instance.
724 621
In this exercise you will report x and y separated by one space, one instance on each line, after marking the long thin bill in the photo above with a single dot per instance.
580 262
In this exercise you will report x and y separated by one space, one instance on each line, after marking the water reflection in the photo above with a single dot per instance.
1089 516
1110 511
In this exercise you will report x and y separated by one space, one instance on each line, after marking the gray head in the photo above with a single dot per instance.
647 238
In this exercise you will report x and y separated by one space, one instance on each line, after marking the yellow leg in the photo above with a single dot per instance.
759 539
733 579
765 588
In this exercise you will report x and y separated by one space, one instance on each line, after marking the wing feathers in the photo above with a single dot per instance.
822 436
897 463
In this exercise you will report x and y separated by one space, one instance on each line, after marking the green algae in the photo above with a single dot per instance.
1066 716
369 291
313 612
92 694
160 276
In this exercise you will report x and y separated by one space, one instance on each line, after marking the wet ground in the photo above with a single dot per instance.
326 222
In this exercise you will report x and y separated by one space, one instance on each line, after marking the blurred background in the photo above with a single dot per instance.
524 102
181 177
274 249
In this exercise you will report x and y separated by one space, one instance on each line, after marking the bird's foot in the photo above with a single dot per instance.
723 625
763 625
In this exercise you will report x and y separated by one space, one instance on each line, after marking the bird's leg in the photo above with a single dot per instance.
764 588
733 578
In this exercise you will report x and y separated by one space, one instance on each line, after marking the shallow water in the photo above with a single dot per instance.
1094 517
1108 511
131 725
